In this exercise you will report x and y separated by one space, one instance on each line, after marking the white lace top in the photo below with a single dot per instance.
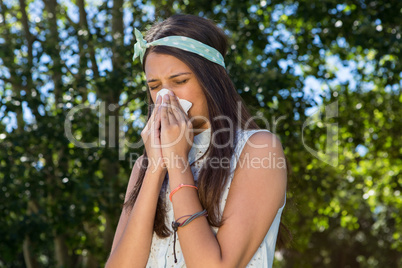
161 254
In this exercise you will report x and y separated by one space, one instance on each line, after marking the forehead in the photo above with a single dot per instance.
160 65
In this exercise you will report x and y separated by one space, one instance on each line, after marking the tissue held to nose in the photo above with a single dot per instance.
184 103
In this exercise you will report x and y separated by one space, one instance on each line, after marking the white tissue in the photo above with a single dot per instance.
184 103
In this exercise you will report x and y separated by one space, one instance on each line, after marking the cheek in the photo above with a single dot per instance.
153 95
193 93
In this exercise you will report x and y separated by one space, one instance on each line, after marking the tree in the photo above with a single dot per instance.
60 202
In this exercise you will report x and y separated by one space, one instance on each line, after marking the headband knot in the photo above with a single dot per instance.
141 46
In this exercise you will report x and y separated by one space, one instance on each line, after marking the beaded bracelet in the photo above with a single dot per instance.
178 188
176 225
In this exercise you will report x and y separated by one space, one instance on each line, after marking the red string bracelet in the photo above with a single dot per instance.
178 188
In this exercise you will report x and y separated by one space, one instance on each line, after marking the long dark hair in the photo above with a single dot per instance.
222 99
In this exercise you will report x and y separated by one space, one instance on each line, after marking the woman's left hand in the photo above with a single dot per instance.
176 133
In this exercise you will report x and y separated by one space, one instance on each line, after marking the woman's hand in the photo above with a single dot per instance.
176 133
152 141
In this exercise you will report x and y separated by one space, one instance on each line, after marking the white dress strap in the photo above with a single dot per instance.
242 138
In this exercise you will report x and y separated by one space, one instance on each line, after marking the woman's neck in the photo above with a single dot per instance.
201 128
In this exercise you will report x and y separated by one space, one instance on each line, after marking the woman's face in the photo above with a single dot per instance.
165 71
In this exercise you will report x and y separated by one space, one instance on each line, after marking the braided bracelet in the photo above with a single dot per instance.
176 225
178 188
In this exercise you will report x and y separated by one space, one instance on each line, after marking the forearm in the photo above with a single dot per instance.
197 241
135 242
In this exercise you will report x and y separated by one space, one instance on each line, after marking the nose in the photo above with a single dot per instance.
162 92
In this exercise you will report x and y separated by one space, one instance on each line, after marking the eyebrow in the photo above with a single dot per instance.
172 76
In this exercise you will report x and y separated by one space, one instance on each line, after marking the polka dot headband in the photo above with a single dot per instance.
182 42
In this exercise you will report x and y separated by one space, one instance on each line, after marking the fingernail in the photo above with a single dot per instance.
166 97
171 93
158 98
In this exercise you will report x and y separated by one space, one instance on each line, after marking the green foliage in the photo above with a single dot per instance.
60 203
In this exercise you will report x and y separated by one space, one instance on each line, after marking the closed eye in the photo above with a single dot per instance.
178 82
182 82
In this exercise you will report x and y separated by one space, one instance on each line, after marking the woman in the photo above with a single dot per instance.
201 172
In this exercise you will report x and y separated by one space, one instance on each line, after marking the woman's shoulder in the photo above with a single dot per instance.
255 136
248 132
252 130
257 143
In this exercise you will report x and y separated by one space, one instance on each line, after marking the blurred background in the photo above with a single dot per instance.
325 74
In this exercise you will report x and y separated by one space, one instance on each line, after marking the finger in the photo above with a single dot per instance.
155 109
171 114
179 115
158 101
156 128
157 121
164 114
153 124
175 101
178 109
148 126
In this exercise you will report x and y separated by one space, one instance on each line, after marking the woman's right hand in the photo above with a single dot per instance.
151 137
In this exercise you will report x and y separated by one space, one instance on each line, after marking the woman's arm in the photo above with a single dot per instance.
133 237
124 213
256 193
